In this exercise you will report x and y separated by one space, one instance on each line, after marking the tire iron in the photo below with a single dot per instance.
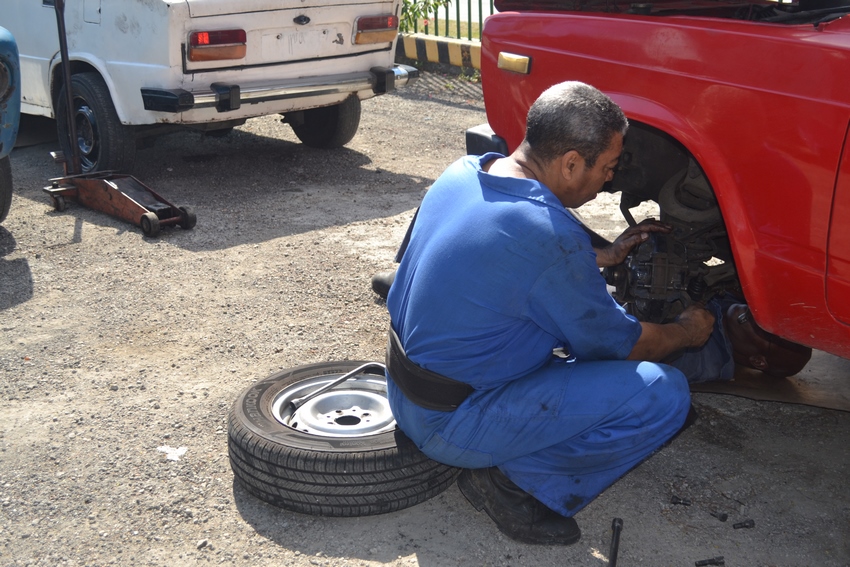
616 528
297 403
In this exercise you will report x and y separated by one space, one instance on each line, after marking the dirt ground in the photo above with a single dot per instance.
120 356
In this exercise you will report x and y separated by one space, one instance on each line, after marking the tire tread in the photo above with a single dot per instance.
330 127
117 145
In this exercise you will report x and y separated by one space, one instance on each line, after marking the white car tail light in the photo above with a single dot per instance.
376 29
217 45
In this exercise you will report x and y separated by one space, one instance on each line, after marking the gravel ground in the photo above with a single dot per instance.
120 356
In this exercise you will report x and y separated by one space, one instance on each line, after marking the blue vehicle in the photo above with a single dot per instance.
10 114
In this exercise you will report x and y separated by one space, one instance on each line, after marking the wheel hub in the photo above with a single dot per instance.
86 126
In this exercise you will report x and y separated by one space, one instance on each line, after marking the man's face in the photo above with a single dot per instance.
588 181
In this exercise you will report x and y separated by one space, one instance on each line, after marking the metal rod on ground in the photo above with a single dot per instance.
616 528
69 98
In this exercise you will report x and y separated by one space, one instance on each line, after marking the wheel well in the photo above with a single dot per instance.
654 166
650 157
57 81
657 167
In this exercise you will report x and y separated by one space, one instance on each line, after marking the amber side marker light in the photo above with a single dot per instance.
376 29
515 63
216 45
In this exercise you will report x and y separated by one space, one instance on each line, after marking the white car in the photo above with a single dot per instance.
140 68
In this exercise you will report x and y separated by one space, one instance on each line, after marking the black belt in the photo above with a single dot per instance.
424 388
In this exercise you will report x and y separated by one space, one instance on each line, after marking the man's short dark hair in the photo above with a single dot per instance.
573 116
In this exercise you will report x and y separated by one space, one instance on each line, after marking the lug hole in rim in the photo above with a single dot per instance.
347 420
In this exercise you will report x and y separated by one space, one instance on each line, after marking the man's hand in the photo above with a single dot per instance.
692 328
697 323
617 251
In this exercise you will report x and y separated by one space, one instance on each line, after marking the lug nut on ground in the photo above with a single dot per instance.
722 516
744 524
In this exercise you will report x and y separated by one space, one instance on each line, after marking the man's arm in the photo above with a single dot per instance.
690 329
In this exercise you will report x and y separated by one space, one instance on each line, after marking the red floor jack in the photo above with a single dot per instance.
119 195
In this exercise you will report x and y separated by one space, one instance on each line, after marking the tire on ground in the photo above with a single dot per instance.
302 471
329 126
104 143
5 187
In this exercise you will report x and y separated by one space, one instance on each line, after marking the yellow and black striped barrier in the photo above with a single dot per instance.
445 50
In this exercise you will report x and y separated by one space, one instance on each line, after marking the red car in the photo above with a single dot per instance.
739 118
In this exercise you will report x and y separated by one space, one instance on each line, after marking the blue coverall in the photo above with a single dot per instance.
497 274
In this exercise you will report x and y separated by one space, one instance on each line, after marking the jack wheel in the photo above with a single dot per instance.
187 218
59 203
150 224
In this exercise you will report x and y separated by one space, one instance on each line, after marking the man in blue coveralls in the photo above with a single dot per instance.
496 277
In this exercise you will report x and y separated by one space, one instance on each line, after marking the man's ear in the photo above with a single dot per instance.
758 361
570 164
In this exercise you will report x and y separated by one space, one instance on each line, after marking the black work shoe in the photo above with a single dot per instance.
381 283
516 513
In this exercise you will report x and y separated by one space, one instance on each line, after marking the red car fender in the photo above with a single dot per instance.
719 175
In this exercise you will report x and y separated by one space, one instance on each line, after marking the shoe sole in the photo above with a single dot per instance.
475 498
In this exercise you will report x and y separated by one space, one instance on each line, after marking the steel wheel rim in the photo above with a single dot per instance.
86 126
356 408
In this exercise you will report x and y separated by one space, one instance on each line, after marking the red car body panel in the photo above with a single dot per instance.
763 108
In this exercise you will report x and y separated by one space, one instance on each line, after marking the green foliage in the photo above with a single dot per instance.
470 75
414 13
